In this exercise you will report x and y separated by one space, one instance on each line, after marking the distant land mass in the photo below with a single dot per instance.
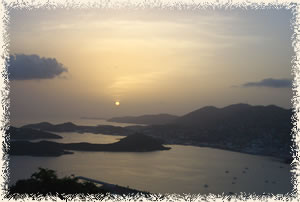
29 134
149 119
42 148
132 143
264 130
71 127
237 114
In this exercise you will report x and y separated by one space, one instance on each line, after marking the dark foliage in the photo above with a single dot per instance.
45 181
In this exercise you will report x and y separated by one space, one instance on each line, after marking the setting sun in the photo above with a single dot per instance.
117 103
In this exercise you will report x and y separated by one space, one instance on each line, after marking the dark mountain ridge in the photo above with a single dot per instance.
262 130
236 114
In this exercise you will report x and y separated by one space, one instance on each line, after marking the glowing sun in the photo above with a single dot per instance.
117 103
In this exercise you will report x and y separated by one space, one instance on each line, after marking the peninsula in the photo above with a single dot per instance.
132 143
29 134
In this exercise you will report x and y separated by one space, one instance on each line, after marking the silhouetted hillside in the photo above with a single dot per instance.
242 114
29 134
240 127
137 142
146 119
132 143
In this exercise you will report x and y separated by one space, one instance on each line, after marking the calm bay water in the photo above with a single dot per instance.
183 169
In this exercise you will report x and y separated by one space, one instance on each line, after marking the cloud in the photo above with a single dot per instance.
31 67
271 83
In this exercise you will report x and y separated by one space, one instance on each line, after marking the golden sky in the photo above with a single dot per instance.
151 61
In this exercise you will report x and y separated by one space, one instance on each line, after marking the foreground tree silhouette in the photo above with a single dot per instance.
45 182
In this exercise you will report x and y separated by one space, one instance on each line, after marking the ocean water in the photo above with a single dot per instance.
183 169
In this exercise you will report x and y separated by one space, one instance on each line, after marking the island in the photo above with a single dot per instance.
260 130
29 134
133 143
71 127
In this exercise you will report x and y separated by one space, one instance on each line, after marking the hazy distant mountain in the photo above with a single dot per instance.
149 119
63 127
71 127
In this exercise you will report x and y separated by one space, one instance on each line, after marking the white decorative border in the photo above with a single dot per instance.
294 5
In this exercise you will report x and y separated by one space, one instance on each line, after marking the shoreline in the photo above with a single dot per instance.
281 158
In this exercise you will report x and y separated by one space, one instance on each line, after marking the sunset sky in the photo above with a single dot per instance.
73 63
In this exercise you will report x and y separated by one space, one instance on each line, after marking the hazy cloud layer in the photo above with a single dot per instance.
29 67
271 83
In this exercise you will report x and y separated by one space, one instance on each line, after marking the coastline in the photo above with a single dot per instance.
283 159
